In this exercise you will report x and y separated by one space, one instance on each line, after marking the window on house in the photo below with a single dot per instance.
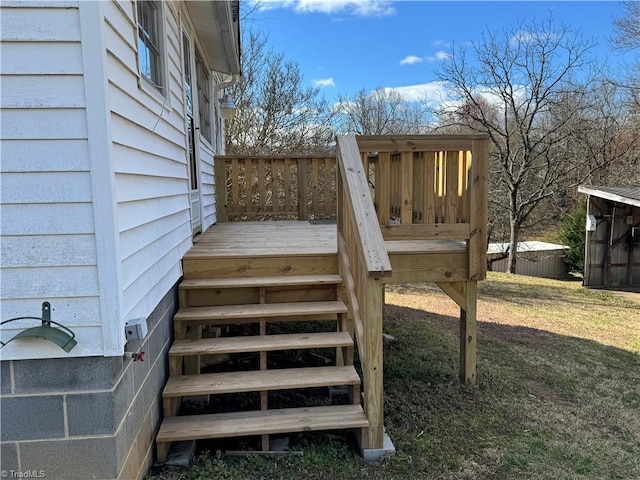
149 41
204 98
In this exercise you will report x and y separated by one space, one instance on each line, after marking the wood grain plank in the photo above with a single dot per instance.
194 427
478 210
233 312
406 188
271 281
258 343
257 380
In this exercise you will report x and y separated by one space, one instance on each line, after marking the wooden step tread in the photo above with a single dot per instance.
260 343
256 311
237 424
270 281
257 380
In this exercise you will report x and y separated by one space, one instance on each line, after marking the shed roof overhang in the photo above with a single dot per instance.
626 195
217 24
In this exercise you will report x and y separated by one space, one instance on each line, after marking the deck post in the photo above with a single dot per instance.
373 377
468 335
220 171
477 203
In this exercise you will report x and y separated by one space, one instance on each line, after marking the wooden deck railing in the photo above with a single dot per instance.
380 188
425 188
363 261
431 187
282 187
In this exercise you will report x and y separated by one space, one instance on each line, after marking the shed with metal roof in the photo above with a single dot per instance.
612 242
535 259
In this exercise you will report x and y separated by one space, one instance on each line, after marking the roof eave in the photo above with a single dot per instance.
217 26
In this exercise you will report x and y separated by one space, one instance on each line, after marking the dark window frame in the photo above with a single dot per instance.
150 47
203 82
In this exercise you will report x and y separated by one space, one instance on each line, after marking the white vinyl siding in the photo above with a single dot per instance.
149 156
48 247
95 192
207 186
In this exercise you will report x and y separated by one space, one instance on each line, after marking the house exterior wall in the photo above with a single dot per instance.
95 219
95 189
91 417
148 145
48 224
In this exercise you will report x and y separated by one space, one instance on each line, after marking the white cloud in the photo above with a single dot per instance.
411 60
525 36
491 96
359 8
323 82
432 92
440 55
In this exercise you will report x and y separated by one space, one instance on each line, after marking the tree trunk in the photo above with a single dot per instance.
514 223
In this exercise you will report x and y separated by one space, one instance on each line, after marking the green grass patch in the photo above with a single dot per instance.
558 393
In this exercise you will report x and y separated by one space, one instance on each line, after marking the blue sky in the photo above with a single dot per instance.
343 46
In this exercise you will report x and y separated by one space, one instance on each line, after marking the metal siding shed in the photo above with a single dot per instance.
612 250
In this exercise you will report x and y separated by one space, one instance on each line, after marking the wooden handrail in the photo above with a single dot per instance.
357 199
363 261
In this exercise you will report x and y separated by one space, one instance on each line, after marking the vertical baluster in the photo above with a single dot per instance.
429 179
235 185
261 204
451 192
315 178
406 188
302 189
287 175
383 187
418 187
439 194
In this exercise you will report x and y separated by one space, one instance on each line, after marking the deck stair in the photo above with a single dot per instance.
267 298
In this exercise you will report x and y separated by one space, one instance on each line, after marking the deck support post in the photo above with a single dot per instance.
468 335
373 377
220 172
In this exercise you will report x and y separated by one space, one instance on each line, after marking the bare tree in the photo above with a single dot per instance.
627 37
512 91
276 113
627 27
380 112
606 137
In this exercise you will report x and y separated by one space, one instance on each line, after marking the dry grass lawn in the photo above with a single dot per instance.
558 393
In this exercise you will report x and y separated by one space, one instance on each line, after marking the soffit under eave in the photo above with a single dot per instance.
217 27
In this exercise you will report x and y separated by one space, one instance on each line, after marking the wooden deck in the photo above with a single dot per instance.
412 260
407 209
266 239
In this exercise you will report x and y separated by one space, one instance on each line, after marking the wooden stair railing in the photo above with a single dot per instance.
363 261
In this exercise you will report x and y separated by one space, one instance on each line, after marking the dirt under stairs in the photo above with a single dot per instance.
246 314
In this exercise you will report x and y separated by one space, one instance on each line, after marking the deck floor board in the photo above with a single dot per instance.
294 238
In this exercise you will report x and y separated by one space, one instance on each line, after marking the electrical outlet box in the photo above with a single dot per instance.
136 329
591 223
